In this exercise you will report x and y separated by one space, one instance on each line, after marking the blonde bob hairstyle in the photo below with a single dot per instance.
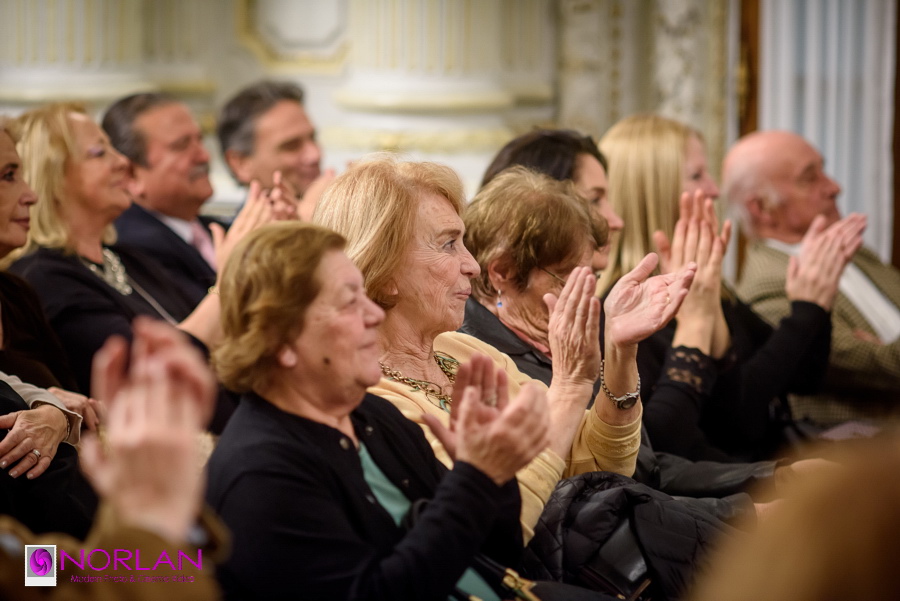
646 162
374 205
46 143
528 221
268 283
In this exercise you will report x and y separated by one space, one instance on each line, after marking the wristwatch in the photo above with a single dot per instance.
627 400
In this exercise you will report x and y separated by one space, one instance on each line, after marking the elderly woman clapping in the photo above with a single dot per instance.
405 232
314 476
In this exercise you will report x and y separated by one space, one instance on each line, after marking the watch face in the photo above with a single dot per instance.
626 403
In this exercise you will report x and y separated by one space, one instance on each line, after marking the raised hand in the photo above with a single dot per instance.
574 329
478 373
150 476
257 211
283 199
500 440
639 305
154 338
815 274
672 254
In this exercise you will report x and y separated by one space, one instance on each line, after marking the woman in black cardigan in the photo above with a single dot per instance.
314 477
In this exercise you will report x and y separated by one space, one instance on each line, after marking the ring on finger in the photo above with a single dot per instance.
36 453
491 401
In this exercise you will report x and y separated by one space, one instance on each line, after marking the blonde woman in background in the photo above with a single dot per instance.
734 363
89 288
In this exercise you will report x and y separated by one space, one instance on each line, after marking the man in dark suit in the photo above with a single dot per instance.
264 129
169 184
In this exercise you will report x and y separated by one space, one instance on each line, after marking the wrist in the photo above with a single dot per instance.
58 419
622 385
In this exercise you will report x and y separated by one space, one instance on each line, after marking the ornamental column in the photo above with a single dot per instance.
84 50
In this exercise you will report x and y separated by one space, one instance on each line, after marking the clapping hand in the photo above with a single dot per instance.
574 329
815 274
639 305
497 435
150 476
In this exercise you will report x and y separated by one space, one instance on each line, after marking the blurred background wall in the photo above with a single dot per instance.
452 80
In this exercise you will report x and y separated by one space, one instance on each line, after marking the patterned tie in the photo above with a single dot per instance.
202 241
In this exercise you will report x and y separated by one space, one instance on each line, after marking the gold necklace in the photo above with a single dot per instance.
433 392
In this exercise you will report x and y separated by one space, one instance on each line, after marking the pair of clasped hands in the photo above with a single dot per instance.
813 275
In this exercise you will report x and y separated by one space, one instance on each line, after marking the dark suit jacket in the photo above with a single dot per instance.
141 230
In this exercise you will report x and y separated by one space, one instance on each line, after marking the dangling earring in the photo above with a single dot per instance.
499 300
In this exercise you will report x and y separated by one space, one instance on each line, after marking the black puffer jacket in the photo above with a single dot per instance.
584 511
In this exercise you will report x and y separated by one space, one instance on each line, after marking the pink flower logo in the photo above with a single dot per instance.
41 562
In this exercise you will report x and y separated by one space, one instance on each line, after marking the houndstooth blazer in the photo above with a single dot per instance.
863 379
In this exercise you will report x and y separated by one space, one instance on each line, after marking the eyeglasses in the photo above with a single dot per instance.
554 276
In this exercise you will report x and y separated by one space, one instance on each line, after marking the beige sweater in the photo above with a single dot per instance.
598 446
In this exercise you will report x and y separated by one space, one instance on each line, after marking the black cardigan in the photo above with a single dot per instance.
306 525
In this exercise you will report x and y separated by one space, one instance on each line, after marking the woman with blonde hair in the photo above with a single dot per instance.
404 230
660 184
89 288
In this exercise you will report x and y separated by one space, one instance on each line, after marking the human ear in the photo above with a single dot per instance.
240 165
500 273
134 185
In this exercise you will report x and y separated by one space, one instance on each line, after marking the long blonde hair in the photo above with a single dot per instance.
646 161
46 143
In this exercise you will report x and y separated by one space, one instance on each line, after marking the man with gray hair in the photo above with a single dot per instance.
777 182
264 129
169 182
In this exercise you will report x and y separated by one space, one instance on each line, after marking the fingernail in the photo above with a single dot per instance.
14 474
2 464
30 476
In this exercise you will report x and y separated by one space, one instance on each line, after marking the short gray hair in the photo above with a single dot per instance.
236 128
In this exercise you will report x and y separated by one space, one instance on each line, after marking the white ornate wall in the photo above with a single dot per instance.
446 80
671 57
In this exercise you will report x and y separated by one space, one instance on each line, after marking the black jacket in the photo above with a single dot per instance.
305 524
583 512
141 230
719 487
84 310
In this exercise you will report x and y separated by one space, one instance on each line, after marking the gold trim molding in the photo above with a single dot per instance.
425 103
306 62
453 141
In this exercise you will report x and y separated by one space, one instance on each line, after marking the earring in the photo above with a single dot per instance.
499 300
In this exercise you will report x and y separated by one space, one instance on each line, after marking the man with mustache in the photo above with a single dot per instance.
263 130
169 182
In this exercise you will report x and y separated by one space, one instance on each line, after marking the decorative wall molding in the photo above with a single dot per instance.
295 36
452 141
